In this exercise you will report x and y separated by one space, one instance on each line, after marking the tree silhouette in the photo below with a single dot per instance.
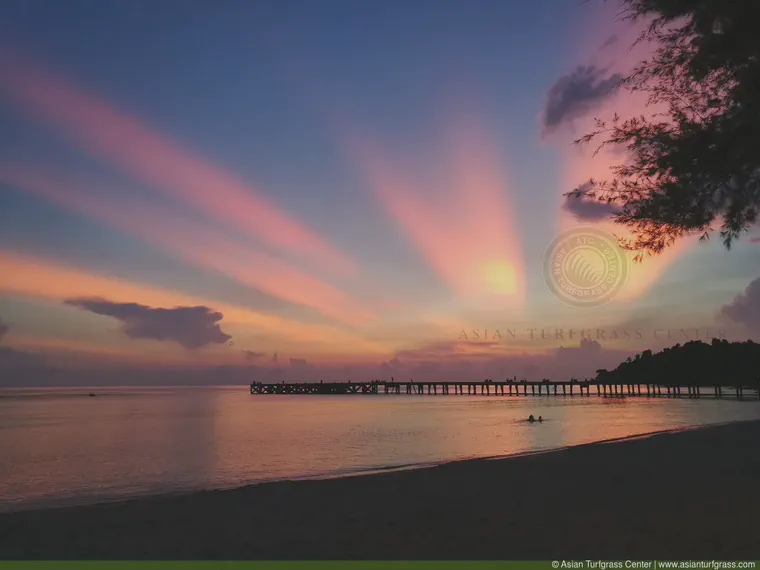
695 363
699 161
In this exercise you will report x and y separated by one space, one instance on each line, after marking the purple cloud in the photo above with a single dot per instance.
191 327
588 209
560 363
745 308
609 41
573 95
251 355
298 362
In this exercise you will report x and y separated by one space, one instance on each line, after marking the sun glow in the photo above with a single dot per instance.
461 224
499 276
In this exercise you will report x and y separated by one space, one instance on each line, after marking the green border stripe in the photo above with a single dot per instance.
372 565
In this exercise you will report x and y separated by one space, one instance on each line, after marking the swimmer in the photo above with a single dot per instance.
531 418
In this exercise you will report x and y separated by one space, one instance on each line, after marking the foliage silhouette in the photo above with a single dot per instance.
699 161
695 363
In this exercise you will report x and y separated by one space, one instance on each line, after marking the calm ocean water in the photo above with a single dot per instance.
59 446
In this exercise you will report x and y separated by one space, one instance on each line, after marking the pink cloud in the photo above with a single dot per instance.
168 231
146 154
462 228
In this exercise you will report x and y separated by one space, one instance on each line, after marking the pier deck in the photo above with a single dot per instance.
510 388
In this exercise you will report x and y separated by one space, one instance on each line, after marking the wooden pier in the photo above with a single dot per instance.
511 387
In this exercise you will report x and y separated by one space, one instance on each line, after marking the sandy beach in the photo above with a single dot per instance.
692 494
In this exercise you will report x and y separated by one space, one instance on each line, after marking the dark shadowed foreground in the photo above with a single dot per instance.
690 495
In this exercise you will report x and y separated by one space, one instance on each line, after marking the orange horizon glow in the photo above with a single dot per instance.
30 276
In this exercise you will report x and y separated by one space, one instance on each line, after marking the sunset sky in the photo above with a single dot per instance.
325 189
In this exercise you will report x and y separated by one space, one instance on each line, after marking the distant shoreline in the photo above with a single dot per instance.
668 495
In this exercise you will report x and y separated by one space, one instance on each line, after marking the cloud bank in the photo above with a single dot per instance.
251 355
19 368
745 308
191 327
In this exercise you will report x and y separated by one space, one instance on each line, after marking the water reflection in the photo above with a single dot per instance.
61 445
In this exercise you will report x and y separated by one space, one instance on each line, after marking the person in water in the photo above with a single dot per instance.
540 418
531 418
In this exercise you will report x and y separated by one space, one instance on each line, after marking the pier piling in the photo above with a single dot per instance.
510 387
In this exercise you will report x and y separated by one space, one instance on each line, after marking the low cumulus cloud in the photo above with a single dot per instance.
459 360
3 330
251 355
745 308
191 327
581 360
298 362
587 346
587 209
576 94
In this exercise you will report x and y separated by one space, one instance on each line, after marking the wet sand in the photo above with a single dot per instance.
686 495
